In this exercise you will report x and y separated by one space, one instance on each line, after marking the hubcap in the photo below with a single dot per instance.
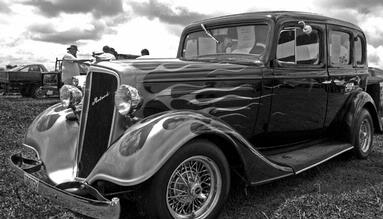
194 188
365 135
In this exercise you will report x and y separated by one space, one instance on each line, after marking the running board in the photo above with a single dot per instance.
305 158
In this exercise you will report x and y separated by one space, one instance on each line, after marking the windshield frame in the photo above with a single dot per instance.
211 27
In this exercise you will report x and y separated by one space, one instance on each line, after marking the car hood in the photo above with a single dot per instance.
172 69
161 79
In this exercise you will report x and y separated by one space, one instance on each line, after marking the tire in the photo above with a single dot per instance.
25 91
37 92
196 177
362 137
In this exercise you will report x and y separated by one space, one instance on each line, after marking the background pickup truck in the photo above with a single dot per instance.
26 78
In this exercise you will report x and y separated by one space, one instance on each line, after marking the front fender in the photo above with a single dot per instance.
55 139
147 145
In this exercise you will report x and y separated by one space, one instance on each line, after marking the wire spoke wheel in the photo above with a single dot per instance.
194 188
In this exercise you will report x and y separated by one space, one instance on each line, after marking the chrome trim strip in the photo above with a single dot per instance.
202 79
322 161
81 140
271 179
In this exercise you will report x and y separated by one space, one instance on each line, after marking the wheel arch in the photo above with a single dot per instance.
148 145
370 107
230 150
350 112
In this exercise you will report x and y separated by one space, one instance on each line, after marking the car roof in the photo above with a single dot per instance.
274 15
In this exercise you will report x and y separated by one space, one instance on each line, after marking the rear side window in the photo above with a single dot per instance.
339 48
297 47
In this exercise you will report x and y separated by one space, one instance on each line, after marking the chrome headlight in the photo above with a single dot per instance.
70 95
127 99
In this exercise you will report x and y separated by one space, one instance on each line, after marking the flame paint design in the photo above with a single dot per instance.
214 105
178 85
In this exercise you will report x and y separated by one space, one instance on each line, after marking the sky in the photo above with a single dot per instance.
39 31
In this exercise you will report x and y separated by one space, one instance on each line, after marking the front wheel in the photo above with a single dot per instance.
38 92
194 183
363 131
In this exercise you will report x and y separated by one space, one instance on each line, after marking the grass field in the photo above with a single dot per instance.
341 188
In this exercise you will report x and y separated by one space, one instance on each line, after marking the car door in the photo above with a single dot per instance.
344 78
33 73
299 98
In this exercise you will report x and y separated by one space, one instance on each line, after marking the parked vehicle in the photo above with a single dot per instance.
35 82
26 78
375 72
255 96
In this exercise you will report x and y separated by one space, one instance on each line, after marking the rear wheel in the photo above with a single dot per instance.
194 183
25 91
362 138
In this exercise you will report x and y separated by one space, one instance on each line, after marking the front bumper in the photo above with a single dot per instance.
76 196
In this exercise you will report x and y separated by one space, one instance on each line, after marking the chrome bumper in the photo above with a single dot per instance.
71 195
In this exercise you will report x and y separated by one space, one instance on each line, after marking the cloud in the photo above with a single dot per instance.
364 7
4 8
22 57
375 58
98 8
118 19
154 9
369 20
47 33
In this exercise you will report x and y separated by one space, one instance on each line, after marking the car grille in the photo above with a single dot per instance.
96 120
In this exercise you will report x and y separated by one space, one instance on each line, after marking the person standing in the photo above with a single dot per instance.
107 55
145 52
70 65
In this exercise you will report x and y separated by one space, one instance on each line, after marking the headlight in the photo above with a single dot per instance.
70 95
127 99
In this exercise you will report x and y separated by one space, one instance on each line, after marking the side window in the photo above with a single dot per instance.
358 50
34 68
339 48
26 69
297 47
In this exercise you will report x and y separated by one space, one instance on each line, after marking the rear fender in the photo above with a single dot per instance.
147 145
354 105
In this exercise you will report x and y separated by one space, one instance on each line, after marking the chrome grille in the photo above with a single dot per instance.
96 119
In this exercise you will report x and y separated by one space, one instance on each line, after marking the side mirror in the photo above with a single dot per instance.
307 29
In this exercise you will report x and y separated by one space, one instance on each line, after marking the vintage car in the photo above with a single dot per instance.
257 97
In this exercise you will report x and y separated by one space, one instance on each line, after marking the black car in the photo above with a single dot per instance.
255 96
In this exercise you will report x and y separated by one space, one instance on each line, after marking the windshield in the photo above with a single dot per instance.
234 43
